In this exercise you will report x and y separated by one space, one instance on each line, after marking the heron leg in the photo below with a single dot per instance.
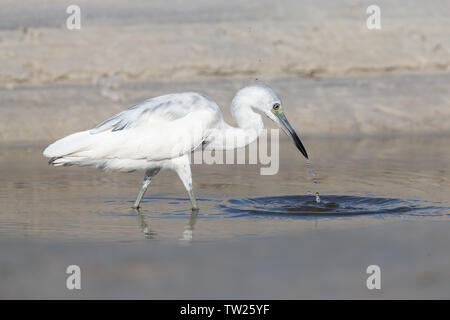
149 174
183 169
193 200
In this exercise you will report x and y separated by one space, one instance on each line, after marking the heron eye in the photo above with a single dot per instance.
276 106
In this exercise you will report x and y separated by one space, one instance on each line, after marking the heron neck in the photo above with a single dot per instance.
250 124
227 137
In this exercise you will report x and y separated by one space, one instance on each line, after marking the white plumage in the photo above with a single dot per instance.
156 129
161 132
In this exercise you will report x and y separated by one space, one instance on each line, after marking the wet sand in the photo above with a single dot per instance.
383 105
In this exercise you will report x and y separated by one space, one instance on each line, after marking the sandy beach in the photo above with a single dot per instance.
320 56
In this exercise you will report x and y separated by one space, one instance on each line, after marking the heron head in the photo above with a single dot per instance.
264 99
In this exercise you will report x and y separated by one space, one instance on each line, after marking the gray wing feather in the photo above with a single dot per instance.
170 107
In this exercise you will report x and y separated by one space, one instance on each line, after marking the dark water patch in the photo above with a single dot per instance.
331 206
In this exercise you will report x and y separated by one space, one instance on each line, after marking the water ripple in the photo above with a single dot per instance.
331 206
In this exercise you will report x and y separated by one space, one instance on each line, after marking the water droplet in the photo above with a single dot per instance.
310 170
317 197
313 175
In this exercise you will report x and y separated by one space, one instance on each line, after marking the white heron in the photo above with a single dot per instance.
161 132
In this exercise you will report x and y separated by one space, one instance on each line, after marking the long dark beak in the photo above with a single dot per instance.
287 128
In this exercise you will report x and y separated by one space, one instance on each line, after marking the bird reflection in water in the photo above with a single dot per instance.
151 234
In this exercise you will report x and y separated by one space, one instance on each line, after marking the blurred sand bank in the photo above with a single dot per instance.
358 81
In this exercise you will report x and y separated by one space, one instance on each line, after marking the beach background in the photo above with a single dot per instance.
372 107
319 56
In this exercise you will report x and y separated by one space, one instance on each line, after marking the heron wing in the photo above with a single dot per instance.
156 129
166 106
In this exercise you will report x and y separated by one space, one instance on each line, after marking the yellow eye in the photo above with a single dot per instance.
276 106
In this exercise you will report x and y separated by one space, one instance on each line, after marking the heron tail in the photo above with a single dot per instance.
68 150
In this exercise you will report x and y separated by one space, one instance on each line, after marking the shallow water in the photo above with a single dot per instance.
384 201
360 181
332 206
